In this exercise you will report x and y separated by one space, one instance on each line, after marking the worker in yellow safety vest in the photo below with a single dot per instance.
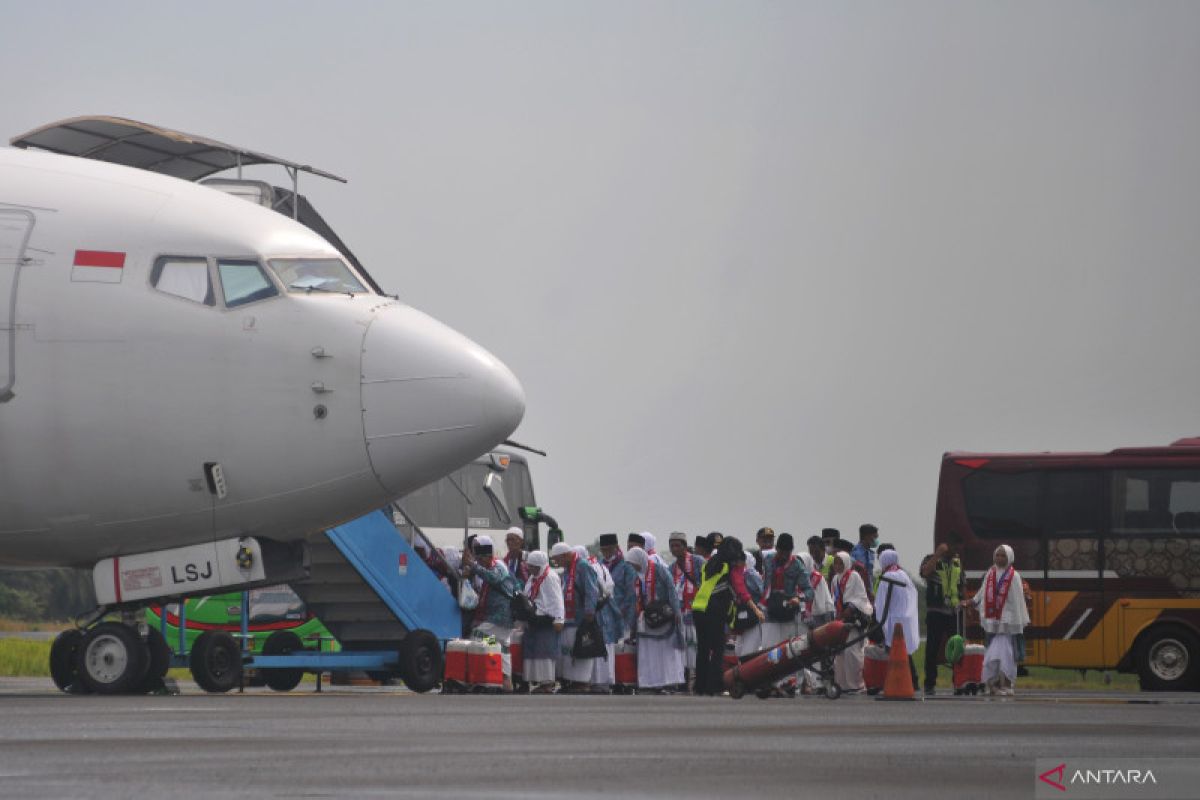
943 574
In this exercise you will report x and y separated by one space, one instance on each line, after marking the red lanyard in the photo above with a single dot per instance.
536 586
841 589
651 580
684 582
815 580
994 607
777 577
569 591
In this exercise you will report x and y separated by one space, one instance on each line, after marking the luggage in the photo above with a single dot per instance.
485 666
875 660
625 669
516 654
760 673
454 676
968 670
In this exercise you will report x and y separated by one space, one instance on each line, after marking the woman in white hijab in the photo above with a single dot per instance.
1003 615
848 590
541 648
660 655
897 598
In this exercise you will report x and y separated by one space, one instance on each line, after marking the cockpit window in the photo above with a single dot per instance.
316 275
244 282
183 277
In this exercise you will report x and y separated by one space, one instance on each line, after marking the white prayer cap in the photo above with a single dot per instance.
889 558
514 531
560 549
483 541
638 558
537 559
580 551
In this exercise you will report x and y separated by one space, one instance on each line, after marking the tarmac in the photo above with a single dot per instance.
384 742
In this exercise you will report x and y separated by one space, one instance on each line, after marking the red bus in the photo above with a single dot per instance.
1108 542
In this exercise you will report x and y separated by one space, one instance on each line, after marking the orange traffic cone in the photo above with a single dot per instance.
898 683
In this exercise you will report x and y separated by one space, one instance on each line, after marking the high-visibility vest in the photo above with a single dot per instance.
707 587
950 576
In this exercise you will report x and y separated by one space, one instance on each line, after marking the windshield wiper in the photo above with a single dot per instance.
309 289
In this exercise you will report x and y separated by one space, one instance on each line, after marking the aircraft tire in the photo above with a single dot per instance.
421 662
64 661
160 662
216 662
281 643
112 659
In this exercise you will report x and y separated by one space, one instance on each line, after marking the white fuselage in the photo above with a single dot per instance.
122 393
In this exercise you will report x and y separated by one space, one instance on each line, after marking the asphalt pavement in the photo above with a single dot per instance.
384 742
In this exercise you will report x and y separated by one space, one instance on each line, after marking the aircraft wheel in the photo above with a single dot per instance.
64 661
113 659
216 661
281 643
160 662
421 663
764 693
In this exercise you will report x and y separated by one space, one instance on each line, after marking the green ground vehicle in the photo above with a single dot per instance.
272 609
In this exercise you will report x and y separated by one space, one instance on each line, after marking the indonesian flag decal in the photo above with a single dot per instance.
98 266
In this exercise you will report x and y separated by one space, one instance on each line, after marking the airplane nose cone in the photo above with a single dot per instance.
432 399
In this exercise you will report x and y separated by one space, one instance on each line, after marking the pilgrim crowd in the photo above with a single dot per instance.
683 610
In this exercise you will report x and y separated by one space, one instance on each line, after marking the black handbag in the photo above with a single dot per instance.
658 614
743 618
522 608
778 610
589 641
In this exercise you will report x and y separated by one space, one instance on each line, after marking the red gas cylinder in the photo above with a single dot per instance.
829 634
516 653
485 665
456 661
626 664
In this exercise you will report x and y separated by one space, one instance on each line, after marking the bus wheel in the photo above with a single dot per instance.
112 659
1168 659
64 661
216 661
282 643
421 661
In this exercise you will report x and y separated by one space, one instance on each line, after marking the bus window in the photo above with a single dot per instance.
1002 505
1071 520
1159 502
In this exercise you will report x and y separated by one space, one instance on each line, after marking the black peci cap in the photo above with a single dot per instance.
607 539
785 542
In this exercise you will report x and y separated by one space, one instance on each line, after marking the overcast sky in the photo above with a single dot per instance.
754 263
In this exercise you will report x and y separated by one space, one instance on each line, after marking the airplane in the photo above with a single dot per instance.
185 375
